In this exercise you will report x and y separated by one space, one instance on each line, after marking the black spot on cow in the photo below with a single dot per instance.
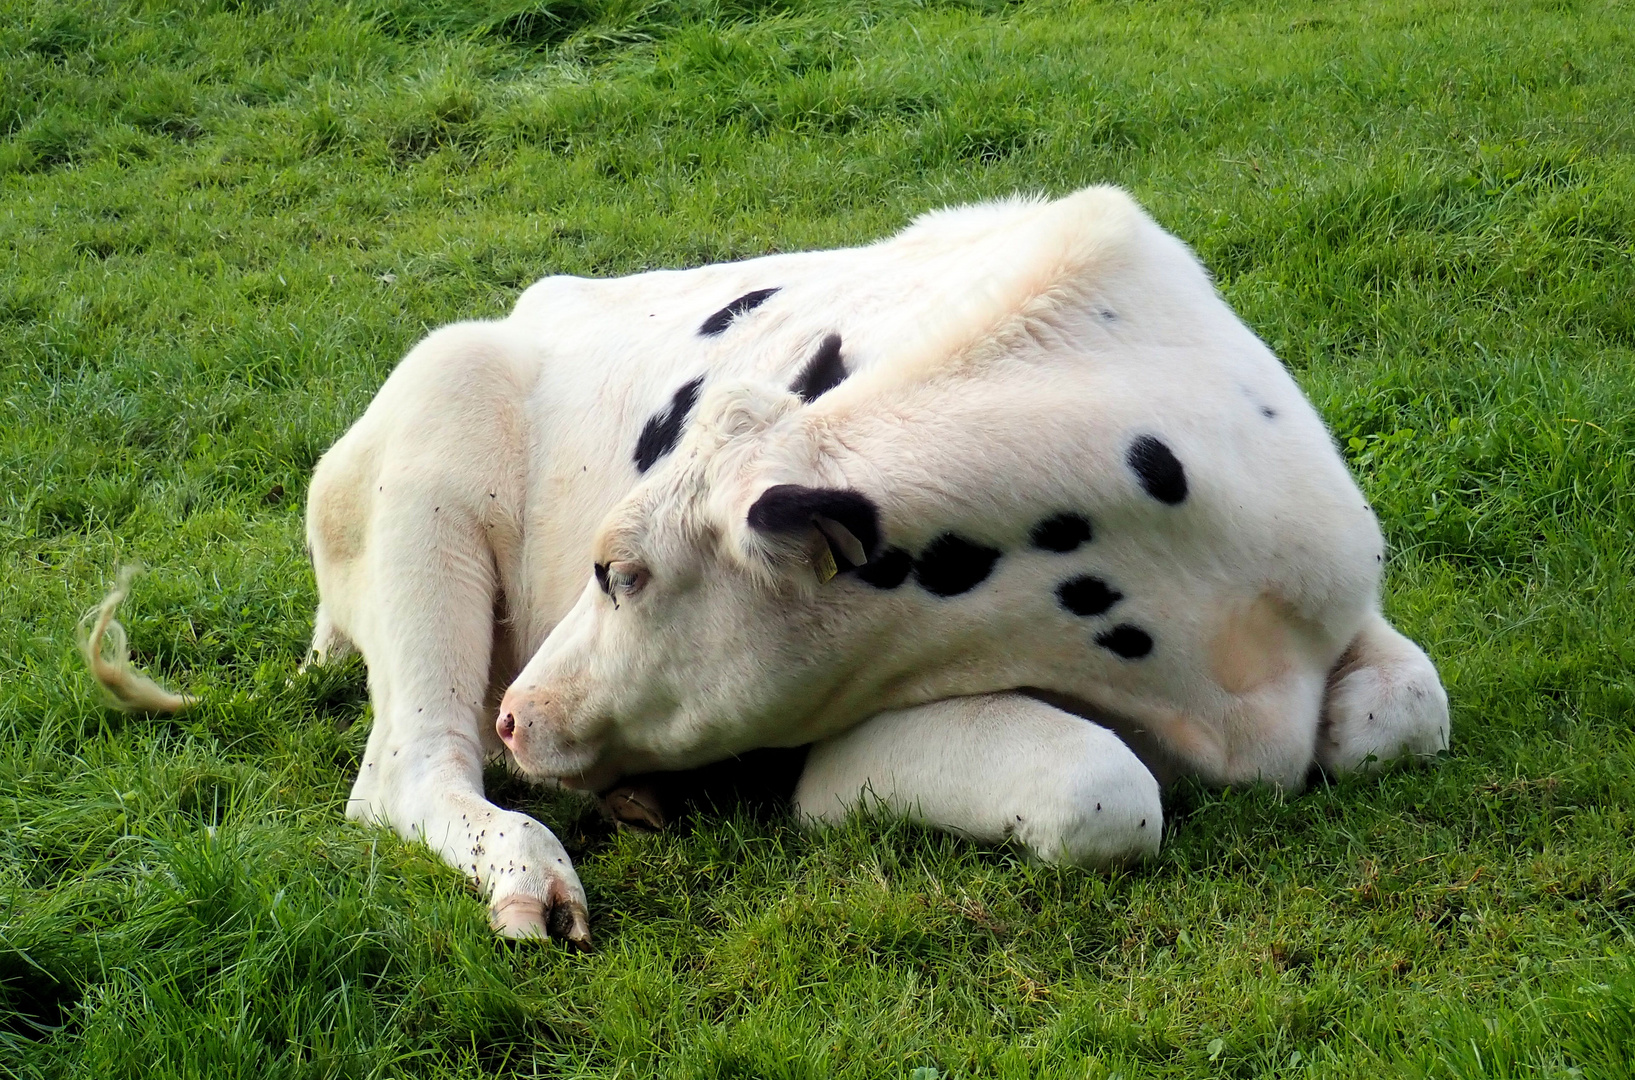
823 372
1130 642
952 565
663 429
1268 412
888 570
1064 532
1158 469
1086 596
722 319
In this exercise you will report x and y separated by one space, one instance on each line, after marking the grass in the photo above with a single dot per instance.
223 223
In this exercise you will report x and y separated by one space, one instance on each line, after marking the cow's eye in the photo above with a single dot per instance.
624 578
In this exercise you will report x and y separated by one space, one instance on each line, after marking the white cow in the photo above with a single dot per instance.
954 507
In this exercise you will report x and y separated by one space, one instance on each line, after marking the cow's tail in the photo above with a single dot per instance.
108 655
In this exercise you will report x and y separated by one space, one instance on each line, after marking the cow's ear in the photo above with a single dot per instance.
847 521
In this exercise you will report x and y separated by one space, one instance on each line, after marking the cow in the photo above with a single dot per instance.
1008 516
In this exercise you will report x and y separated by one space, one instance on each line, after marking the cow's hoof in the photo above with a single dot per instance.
520 917
636 805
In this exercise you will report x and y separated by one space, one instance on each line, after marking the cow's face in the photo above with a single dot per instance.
705 627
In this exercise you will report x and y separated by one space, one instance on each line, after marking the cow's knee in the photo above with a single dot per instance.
1384 701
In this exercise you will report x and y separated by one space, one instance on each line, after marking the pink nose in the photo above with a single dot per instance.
517 719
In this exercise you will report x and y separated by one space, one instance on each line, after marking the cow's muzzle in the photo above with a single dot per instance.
534 726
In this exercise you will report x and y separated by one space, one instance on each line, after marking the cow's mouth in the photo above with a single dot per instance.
595 779
540 757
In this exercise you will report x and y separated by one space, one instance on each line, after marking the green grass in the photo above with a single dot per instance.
223 222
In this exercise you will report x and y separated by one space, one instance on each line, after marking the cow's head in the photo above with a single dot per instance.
723 607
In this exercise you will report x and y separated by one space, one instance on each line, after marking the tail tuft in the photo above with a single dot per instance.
108 655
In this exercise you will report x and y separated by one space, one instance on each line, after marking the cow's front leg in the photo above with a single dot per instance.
995 767
426 627
422 775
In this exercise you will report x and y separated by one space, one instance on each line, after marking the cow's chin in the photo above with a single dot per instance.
583 772
580 768
595 779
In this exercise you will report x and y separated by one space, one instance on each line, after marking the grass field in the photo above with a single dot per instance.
222 223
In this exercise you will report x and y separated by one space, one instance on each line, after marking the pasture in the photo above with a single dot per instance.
224 220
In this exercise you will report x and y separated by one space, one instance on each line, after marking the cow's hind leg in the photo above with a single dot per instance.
1383 701
995 767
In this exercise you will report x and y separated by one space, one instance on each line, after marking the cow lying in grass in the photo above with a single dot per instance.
954 508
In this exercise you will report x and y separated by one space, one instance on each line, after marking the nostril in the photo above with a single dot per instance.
507 726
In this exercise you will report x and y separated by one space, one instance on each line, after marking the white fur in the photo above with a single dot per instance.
1384 702
1001 358
995 767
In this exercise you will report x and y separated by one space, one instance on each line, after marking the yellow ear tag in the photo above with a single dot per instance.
825 566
